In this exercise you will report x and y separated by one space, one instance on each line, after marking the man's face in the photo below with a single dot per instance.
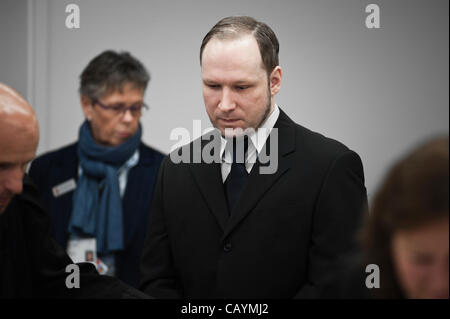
236 88
18 147
108 127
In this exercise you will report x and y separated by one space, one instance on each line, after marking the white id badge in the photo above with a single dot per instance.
64 188
83 250
101 267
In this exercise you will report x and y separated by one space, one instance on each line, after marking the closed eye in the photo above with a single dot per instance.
213 86
5 166
8 166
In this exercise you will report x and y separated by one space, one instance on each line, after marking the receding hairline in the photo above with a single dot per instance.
230 34
238 37
239 26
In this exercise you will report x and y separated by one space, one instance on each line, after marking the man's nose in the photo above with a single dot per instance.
14 180
227 102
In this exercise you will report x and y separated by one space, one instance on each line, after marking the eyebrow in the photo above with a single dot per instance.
5 165
239 82
208 81
243 82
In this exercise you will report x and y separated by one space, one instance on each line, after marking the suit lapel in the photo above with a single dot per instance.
209 179
258 184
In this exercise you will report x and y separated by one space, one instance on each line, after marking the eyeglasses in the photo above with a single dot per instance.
119 109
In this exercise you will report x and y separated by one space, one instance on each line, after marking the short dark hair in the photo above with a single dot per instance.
236 26
414 193
110 71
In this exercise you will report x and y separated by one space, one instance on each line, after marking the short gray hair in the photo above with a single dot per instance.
110 71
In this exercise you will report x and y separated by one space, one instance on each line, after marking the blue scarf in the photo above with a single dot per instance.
97 206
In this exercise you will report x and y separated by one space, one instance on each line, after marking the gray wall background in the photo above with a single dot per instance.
379 91
13 44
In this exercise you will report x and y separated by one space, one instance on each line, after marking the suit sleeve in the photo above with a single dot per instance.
157 267
337 217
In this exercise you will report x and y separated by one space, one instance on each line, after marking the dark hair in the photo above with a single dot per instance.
110 71
414 193
234 27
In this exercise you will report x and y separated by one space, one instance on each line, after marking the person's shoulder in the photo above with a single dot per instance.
320 142
185 156
63 158
150 154
30 191
314 142
58 154
30 197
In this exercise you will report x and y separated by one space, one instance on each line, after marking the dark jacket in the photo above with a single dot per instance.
32 264
281 239
54 168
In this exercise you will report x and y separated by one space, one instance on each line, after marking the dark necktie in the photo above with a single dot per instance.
235 182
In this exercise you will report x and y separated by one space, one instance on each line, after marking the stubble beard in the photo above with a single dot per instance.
264 116
267 110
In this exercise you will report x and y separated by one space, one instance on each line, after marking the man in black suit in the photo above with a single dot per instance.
242 229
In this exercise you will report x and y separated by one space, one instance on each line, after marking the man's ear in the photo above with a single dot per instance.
275 80
87 106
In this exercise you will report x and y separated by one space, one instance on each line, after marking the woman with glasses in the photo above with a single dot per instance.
99 189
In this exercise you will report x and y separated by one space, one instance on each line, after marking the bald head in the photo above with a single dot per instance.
14 107
19 136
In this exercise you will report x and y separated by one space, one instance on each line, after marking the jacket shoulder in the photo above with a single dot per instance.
310 142
317 143
150 155
30 195
63 157
56 155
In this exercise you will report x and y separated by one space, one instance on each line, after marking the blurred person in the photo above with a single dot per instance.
406 233
101 186
32 264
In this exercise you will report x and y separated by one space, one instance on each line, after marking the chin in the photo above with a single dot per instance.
233 133
234 127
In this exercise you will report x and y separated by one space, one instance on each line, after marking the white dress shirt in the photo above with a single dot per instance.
257 141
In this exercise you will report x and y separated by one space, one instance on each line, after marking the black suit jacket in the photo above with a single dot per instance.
32 264
56 167
281 239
